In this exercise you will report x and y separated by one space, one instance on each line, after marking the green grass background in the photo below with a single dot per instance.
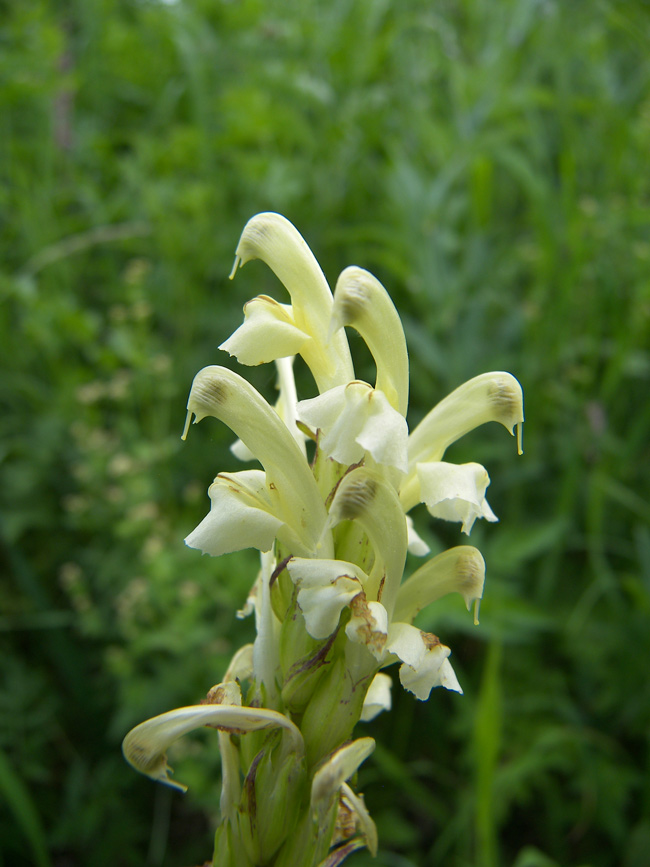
489 160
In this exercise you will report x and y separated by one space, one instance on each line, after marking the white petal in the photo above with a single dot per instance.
240 516
354 419
339 424
322 606
316 573
385 432
241 451
326 587
448 678
434 670
424 657
378 697
455 492
417 546
254 594
405 641
268 332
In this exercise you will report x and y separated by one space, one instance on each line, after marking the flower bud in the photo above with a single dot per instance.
274 788
333 710
303 660
228 848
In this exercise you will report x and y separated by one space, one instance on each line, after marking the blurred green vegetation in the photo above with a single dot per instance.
488 160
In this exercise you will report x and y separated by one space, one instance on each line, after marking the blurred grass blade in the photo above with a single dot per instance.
487 741
530 856
21 805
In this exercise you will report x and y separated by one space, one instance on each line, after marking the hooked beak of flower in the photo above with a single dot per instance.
301 327
290 486
146 745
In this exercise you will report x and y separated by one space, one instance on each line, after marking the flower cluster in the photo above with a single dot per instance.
332 607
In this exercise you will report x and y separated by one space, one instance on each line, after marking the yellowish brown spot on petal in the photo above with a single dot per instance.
430 640
373 638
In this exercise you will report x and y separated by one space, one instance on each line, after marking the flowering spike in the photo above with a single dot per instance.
331 606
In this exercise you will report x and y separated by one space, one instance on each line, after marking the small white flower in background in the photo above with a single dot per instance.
332 606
